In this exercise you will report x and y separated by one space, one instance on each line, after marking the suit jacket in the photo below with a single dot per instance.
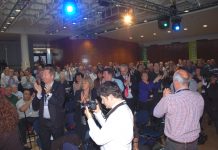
55 105
134 86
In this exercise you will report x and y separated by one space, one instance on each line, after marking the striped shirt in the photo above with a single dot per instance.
182 111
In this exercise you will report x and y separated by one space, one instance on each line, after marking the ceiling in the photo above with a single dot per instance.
45 20
193 23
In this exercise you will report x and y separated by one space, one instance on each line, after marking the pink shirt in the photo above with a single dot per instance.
182 111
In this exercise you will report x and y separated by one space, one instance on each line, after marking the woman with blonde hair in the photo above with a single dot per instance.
83 97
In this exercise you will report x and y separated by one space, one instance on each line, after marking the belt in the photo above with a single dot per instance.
181 142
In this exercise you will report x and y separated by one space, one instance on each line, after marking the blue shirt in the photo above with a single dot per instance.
145 88
119 83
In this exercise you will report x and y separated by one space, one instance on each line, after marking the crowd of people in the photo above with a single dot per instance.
44 97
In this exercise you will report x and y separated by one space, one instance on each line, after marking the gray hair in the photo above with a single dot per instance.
124 65
179 78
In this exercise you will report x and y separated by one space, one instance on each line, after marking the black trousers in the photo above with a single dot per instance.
47 130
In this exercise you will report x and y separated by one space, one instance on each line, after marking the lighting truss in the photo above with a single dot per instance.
14 13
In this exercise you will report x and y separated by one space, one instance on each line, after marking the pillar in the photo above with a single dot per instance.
25 60
192 46
49 56
144 55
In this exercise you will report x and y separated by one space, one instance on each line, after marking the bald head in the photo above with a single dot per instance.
181 79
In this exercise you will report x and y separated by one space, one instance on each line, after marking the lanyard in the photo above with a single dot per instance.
182 90
113 109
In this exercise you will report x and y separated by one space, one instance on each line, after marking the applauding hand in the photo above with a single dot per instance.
38 88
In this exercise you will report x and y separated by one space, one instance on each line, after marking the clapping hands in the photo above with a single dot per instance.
38 88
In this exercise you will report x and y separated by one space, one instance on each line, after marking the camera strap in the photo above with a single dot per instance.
113 109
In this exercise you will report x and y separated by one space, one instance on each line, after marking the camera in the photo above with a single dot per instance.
92 105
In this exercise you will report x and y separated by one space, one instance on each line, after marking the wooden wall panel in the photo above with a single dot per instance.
98 50
207 49
157 53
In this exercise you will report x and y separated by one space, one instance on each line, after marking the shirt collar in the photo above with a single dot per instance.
117 103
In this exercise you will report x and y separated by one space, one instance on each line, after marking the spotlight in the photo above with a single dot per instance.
176 20
164 22
69 7
127 19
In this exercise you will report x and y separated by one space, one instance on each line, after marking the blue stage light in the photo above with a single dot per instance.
176 23
176 26
69 7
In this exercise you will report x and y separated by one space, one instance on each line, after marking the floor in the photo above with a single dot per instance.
211 143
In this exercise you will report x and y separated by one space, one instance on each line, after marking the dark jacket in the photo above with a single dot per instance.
134 86
55 105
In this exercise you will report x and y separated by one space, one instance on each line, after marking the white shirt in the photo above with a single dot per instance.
46 98
29 112
116 132
28 84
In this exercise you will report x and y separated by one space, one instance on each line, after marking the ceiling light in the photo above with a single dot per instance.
65 27
205 26
5 27
12 17
164 22
130 38
74 22
127 19
69 7
142 36
168 31
154 34
8 23
85 18
176 20
186 11
117 5
17 10
145 20
185 29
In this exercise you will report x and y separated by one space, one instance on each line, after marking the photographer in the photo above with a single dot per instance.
116 132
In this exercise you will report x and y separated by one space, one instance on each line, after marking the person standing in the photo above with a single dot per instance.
49 101
182 112
116 132
130 86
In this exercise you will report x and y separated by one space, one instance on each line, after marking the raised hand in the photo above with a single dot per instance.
166 92
47 90
38 88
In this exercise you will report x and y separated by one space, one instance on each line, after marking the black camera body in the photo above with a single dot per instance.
92 105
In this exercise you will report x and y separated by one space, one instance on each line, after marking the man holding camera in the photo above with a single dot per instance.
116 132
